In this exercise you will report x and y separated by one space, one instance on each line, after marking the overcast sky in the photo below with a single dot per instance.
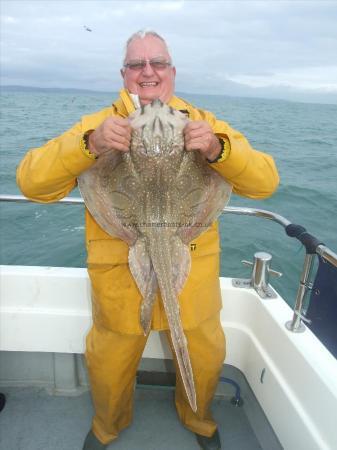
271 48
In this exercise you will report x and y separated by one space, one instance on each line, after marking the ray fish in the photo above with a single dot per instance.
157 197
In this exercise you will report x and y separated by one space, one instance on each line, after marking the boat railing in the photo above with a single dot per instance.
312 246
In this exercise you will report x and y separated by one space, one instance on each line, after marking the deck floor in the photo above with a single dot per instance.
35 420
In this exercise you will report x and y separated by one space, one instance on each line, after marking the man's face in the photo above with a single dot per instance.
149 83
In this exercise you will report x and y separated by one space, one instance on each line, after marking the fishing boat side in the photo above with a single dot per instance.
47 310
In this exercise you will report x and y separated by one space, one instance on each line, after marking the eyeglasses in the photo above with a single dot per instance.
140 64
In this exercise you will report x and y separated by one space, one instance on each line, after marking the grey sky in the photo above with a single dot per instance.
270 48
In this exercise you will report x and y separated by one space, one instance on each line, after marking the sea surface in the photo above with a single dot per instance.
302 137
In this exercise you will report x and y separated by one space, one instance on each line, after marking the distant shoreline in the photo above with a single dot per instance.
56 90
12 88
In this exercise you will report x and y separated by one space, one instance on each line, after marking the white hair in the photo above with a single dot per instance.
141 34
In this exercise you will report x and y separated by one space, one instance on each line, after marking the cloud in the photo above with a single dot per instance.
252 44
317 78
10 20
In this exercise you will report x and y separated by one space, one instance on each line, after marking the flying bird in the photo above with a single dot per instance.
87 28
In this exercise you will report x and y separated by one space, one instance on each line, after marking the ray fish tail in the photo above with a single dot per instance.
161 249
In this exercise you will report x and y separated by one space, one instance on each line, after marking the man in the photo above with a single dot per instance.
116 341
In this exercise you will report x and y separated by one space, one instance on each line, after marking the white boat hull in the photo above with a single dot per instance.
292 375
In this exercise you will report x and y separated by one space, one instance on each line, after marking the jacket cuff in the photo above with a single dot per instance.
73 158
225 150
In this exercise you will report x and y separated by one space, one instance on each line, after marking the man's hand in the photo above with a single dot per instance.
199 136
113 134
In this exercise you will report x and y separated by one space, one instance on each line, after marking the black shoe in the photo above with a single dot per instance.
209 443
92 443
2 401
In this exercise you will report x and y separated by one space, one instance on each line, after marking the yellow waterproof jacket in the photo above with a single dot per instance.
49 173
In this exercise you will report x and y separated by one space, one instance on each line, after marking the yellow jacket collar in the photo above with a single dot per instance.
124 105
178 103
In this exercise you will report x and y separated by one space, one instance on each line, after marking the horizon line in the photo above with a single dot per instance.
250 97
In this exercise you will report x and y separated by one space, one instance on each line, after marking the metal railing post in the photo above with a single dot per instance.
296 324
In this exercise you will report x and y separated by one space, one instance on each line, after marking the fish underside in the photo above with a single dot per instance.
157 198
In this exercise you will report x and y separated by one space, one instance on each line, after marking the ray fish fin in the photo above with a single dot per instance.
203 198
142 270
108 190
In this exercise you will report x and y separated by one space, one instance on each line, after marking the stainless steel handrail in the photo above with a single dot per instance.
327 254
257 213
322 250
295 325
23 199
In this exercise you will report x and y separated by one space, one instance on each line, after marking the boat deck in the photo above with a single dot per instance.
33 419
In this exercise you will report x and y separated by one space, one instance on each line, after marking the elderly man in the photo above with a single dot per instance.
116 340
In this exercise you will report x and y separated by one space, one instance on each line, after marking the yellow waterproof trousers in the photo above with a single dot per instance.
113 358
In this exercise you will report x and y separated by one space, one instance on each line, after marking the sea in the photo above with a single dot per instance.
302 138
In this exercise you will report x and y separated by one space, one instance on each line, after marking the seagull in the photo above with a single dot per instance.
87 28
